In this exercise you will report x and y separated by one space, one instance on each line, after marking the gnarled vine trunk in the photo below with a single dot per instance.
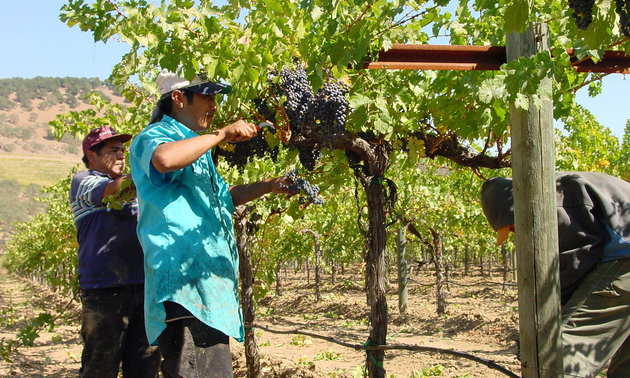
318 283
252 357
279 279
401 250
438 252
506 266
376 237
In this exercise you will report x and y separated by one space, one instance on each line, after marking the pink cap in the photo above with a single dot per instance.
101 134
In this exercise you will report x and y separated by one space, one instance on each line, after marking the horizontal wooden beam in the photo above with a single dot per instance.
458 57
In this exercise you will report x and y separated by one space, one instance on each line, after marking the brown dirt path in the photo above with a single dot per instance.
57 352
481 320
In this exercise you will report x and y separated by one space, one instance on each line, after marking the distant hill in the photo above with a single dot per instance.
27 105
31 156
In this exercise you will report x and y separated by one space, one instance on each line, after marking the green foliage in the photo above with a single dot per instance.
30 332
6 104
46 245
328 355
444 198
24 91
334 37
126 193
17 203
7 348
359 372
300 340
78 124
588 146
433 371
27 331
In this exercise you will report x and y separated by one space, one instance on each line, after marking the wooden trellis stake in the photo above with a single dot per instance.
536 226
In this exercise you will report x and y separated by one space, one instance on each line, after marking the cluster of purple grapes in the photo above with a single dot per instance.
307 191
243 152
309 157
622 7
582 12
295 86
324 113
328 111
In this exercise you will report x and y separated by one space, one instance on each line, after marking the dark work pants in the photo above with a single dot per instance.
192 349
113 333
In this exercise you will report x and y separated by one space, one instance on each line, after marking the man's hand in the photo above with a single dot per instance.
239 131
280 185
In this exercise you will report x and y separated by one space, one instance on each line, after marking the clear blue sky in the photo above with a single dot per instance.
36 43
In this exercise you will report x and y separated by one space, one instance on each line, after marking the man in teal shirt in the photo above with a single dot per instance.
185 228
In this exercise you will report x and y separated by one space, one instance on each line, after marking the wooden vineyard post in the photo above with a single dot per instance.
536 231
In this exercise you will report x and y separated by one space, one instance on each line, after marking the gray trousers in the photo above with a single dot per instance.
596 323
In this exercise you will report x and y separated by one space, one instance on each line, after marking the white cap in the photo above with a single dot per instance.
168 81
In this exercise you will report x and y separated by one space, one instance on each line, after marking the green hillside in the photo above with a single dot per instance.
39 170
31 157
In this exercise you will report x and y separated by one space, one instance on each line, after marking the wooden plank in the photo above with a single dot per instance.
460 57
533 168
431 66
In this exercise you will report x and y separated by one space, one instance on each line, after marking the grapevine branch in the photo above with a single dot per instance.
367 347
115 6
405 20
475 170
599 77
450 148
280 109
258 116
360 225
368 6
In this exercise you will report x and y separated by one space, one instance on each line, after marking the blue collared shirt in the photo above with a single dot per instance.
186 231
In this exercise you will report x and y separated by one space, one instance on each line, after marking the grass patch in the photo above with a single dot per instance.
35 169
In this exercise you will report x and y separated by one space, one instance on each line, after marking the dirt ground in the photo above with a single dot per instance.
481 320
